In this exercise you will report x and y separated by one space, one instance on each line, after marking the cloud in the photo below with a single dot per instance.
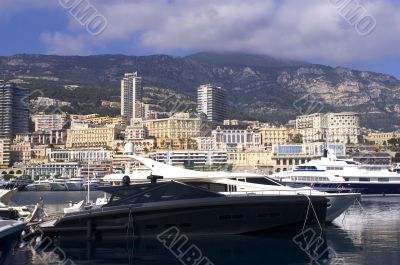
307 30
62 44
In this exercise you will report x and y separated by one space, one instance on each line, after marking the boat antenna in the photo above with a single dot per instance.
326 144
88 170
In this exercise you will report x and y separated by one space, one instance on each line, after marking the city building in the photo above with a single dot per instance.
96 119
343 127
131 95
96 169
191 158
21 152
289 155
340 127
144 145
66 169
44 102
136 131
310 127
42 138
236 136
80 155
211 100
271 135
86 136
206 143
251 160
177 131
50 123
381 139
14 110
372 158
5 153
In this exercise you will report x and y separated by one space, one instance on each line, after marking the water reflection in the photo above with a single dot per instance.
271 248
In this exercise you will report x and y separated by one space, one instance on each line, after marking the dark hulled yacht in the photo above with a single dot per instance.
146 210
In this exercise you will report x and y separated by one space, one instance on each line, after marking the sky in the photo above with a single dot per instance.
360 34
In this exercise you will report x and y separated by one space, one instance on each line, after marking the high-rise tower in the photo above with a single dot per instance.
131 95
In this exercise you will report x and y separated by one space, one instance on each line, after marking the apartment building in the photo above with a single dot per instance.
50 123
236 136
340 127
14 110
271 135
211 100
131 95
177 131
5 153
86 136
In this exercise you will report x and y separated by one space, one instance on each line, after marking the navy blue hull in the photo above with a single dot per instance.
363 188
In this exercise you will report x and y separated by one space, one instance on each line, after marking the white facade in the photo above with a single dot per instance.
198 158
80 155
131 95
49 123
211 100
236 136
341 127
137 131
52 169
310 127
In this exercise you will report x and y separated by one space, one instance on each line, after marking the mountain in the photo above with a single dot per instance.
260 87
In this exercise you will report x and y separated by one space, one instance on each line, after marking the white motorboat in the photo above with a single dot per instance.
6 195
75 184
43 184
330 172
58 184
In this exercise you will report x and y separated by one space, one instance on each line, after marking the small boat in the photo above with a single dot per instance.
43 184
6 195
75 184
58 185
10 233
19 184
143 210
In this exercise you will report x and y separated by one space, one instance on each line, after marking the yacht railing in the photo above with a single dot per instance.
275 192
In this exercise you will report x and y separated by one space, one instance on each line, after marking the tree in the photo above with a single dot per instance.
397 158
393 142
297 138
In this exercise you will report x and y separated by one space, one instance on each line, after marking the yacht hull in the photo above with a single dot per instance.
226 215
39 187
339 203
10 232
73 186
57 186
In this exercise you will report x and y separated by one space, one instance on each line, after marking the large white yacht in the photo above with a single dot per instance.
232 184
331 172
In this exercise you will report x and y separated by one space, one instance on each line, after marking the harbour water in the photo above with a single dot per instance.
366 234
